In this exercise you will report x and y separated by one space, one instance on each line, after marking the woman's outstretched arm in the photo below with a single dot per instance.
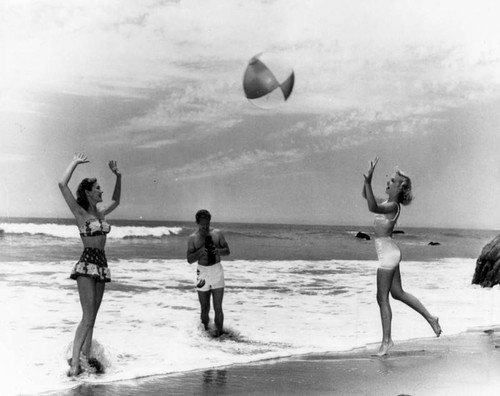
78 159
115 199
374 205
363 193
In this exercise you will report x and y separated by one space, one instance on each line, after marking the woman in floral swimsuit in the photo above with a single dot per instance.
91 272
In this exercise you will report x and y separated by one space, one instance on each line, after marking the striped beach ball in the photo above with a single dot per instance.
268 80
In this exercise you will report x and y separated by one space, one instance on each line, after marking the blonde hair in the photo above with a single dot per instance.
406 195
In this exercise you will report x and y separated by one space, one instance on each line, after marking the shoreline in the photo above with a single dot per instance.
462 364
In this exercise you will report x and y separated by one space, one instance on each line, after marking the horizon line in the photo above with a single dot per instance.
260 222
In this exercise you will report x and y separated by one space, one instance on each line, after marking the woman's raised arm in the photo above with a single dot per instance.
78 159
115 200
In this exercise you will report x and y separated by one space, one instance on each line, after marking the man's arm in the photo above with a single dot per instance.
223 247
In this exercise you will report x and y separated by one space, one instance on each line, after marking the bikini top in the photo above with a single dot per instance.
384 225
94 227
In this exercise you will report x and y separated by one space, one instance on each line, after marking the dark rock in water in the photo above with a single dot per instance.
487 273
398 232
434 243
362 235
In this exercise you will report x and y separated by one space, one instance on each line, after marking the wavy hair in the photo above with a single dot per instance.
406 195
81 197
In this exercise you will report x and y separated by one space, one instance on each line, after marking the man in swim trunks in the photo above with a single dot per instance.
206 245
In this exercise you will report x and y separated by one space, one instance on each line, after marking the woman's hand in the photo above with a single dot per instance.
80 158
114 168
368 176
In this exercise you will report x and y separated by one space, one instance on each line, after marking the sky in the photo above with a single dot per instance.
157 86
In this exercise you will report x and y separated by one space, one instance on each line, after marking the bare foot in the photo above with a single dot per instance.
74 371
434 322
384 348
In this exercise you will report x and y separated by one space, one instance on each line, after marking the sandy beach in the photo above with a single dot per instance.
464 364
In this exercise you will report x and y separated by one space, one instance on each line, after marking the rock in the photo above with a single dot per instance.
362 235
487 273
431 243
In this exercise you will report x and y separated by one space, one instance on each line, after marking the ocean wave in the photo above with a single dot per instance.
138 232
245 234
265 234
71 231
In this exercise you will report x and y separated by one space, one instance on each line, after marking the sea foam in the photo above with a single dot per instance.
149 319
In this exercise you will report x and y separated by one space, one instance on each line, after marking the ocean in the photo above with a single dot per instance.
290 289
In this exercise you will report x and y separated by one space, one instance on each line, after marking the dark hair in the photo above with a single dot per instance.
81 197
203 214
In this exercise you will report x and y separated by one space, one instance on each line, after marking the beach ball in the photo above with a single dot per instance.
268 80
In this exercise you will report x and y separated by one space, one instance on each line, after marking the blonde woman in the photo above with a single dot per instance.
91 272
399 192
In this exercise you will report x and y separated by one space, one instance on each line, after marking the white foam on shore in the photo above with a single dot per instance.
149 320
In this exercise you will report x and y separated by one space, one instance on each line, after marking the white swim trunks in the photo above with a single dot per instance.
208 278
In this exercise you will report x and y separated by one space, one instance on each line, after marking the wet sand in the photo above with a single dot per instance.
465 364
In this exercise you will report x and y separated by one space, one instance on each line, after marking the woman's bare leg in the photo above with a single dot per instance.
99 292
398 293
384 281
86 290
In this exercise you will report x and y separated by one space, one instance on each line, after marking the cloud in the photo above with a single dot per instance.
192 104
159 82
222 164
157 144
358 64
343 53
